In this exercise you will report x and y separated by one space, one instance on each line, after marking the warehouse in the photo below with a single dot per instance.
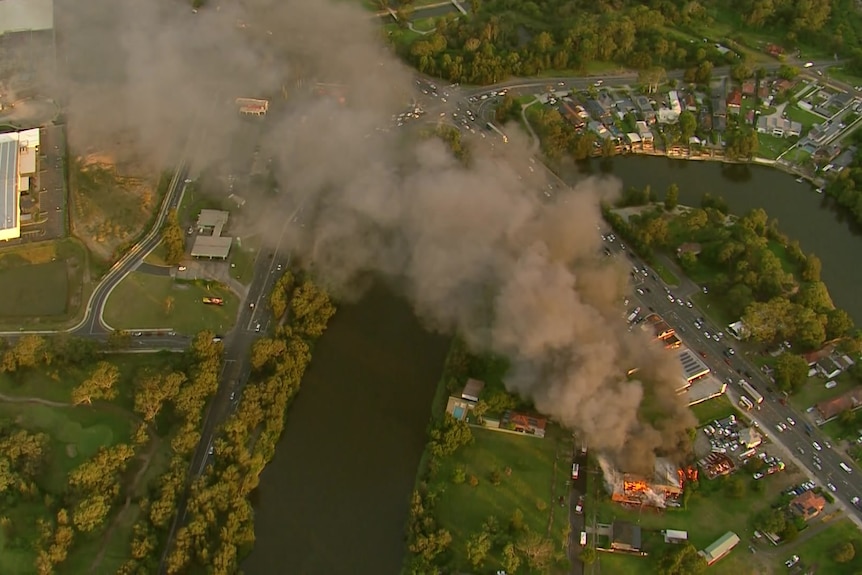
18 151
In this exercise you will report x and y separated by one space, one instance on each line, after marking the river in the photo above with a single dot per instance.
802 213
335 498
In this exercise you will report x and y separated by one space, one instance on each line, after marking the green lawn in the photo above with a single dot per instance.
804 117
157 256
797 155
193 202
462 509
35 280
424 24
666 275
712 307
242 258
712 409
770 147
814 391
141 300
819 551
839 74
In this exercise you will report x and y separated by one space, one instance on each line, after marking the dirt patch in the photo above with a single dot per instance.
71 450
110 208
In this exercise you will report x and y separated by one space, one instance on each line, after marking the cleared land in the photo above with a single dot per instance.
144 301
539 475
41 282
110 210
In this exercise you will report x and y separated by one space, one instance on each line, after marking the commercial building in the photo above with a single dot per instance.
26 15
720 548
18 151
704 389
693 368
209 243
252 106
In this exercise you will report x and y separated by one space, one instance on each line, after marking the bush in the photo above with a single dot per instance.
459 476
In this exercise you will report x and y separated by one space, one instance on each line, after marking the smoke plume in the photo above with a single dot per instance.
477 249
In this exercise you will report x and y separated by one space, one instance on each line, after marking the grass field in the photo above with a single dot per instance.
462 509
804 117
142 301
819 551
193 202
712 409
41 281
814 391
796 155
770 147
242 259
712 308
666 275
157 256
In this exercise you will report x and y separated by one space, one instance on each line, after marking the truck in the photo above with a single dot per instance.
576 469
632 316
213 300
745 403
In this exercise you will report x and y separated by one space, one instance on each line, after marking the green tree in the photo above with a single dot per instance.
90 513
516 523
100 385
173 239
682 560
588 556
478 547
811 268
838 323
671 198
510 561
687 125
791 372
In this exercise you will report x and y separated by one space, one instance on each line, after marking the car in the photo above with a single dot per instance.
715 337
792 561
832 487
670 297
800 450
730 351
679 301
818 466
182 268
561 83
855 501
790 421
217 339
705 290
827 444
188 181
707 335
233 396
758 476
599 83
640 291
688 304
278 267
831 384
138 334
579 508
781 426
257 327
211 450
816 446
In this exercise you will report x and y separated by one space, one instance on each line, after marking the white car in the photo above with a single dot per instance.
182 268
817 446
640 291
832 487
792 561
758 476
790 421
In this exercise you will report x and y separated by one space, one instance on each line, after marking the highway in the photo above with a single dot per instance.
797 441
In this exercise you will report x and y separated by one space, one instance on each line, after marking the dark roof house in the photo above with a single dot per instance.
625 536
808 505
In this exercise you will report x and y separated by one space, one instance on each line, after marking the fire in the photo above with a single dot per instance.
638 486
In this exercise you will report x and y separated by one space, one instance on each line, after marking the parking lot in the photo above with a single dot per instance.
52 181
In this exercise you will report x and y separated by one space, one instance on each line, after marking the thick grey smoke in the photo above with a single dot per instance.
477 249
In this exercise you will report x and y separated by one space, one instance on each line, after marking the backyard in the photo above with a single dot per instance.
533 473
814 391
41 282
770 147
804 117
144 301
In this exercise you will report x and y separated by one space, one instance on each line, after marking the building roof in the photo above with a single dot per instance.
674 534
750 437
212 218
472 389
808 505
8 181
692 366
25 15
211 247
524 420
849 400
626 534
721 547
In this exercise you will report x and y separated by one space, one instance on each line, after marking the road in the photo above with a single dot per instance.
798 439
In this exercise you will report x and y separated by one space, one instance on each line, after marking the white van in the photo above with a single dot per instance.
845 467
583 538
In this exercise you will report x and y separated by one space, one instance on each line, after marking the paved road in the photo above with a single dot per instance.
797 441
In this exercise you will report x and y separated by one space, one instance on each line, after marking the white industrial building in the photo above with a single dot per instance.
18 151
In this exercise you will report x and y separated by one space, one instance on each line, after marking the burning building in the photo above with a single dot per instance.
663 489
252 106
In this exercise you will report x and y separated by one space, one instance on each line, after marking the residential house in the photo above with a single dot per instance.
458 406
688 248
749 437
774 50
673 102
842 100
607 102
625 106
599 129
645 108
689 102
720 548
645 134
850 400
748 88
734 102
571 114
634 140
808 505
844 159
625 536
523 423
779 127
783 85
812 357
826 153
828 368
595 109
667 115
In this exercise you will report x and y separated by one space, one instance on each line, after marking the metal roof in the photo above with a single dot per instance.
721 547
8 181
691 365
25 15
211 247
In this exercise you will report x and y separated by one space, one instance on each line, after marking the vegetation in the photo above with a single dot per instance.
846 188
173 239
502 38
77 459
762 276
457 521
146 301
834 550
220 525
